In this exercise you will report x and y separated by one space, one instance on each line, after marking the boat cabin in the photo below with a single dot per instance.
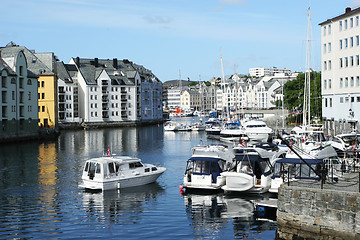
205 166
296 168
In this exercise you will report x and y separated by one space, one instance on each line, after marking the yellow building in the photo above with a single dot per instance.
47 100
47 89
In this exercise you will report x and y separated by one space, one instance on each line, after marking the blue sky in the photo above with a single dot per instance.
168 36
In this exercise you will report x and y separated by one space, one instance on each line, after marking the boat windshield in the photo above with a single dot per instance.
203 166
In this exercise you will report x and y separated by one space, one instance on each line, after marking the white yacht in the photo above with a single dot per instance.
252 170
232 132
206 164
171 126
257 130
113 172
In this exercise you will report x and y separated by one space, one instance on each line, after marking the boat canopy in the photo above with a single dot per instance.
299 161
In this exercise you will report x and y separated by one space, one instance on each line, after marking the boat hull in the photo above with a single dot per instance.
123 182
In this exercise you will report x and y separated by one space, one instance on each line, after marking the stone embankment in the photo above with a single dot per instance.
315 213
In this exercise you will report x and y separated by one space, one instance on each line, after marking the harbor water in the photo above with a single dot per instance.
40 197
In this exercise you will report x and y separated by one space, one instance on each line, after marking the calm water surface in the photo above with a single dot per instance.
40 198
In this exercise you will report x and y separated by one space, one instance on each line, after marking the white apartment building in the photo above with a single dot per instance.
190 100
262 71
340 53
106 94
174 98
67 93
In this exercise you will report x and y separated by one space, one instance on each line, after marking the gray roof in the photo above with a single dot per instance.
62 72
34 64
3 66
126 70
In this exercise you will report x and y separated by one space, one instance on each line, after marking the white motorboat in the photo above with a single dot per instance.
198 127
206 164
252 170
292 168
171 126
232 132
213 127
257 130
113 172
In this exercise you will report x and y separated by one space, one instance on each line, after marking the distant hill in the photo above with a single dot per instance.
171 83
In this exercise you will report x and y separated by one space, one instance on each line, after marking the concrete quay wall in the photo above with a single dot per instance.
307 213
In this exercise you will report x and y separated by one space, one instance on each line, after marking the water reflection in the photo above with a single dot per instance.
211 213
125 206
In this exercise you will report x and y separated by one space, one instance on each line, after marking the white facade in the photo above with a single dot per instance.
261 72
174 98
340 53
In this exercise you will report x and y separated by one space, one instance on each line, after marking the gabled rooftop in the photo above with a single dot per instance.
348 13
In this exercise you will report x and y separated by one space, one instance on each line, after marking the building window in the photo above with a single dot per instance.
351 42
341 46
324 30
329 47
29 82
42 83
340 26
324 47
329 29
330 102
325 83
346 82
357 21
29 95
325 65
3 81
357 40
42 95
351 22
346 42
357 60
341 82
357 81
352 81
329 65
352 99
325 102
13 95
329 83
341 99
345 24
346 62
341 62
357 99
43 108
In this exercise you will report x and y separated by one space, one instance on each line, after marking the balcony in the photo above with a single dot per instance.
105 115
105 99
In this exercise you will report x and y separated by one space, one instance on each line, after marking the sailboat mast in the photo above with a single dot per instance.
306 110
223 83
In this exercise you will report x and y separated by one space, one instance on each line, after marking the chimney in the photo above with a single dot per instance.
77 61
96 62
115 63
348 9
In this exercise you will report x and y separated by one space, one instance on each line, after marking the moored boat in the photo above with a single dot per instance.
113 172
206 164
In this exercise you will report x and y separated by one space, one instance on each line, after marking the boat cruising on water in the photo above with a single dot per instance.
252 170
257 130
206 164
113 172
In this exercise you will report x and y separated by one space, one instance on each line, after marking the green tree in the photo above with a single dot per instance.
294 95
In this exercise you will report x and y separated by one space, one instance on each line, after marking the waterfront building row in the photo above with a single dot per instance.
235 93
39 91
